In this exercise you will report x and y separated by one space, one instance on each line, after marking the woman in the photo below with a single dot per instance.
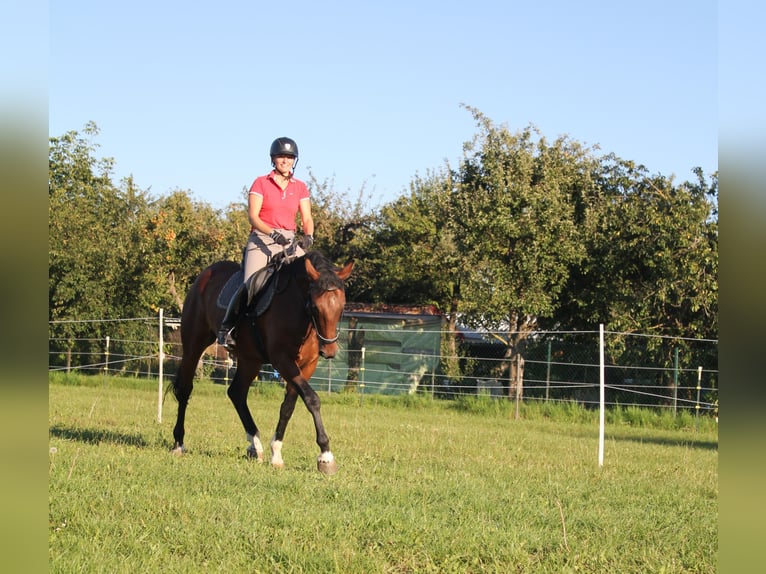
272 204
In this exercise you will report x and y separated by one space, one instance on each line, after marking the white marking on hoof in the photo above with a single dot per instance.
178 450
276 454
326 463
254 448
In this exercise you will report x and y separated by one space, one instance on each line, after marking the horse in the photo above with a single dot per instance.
299 325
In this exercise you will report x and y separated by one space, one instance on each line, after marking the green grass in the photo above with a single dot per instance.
423 486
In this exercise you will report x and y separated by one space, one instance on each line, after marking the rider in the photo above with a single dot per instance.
272 204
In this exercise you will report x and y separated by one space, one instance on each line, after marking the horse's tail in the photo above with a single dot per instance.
194 329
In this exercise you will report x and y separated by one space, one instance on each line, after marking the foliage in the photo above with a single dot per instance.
341 230
115 251
652 264
413 252
491 243
524 234
91 231
517 224
179 239
82 203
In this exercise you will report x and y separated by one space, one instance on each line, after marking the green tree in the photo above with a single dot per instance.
342 230
91 231
492 243
114 252
412 256
179 238
652 260
516 216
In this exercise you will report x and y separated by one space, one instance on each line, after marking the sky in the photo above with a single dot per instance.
189 95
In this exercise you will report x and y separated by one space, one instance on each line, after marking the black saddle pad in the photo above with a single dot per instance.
229 289
255 285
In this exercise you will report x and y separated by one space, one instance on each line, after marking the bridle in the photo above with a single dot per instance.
311 309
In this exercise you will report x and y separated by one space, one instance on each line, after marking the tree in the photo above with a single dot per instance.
516 217
342 230
91 230
179 239
652 260
412 256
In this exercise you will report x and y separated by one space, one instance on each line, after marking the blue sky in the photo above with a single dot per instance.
189 95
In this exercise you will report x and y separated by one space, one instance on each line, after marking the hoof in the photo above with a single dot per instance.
256 454
327 467
178 450
279 464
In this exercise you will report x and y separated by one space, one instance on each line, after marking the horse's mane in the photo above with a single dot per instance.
328 278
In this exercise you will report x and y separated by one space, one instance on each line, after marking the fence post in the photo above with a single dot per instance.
161 359
519 380
229 364
675 381
361 383
699 388
602 395
106 356
548 374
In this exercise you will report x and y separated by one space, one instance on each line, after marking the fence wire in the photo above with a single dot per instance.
640 370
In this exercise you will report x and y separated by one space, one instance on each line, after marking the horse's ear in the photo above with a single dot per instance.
311 270
345 273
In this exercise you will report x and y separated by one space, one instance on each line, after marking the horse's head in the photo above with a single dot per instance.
327 298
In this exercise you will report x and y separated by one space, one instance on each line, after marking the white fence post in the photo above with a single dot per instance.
601 394
361 383
106 356
161 359
699 389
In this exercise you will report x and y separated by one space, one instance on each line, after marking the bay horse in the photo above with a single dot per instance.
299 325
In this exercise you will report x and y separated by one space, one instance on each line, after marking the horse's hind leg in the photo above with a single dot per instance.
285 414
182 389
184 383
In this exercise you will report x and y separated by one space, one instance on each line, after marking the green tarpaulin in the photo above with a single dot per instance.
401 353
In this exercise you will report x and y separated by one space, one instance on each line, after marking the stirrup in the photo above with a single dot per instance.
226 338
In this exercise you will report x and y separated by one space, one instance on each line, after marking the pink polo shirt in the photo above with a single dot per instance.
279 207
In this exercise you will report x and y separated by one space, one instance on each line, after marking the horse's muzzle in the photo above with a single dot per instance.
328 351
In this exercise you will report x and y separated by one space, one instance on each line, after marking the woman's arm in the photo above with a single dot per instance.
307 220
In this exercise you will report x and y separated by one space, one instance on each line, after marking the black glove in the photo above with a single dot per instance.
306 242
278 238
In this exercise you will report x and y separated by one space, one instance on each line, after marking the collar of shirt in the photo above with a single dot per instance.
273 177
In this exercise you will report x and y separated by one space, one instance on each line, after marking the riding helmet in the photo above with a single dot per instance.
284 146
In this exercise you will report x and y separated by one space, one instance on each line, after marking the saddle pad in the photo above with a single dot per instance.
229 289
264 299
255 284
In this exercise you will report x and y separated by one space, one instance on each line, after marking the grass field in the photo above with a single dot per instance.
423 486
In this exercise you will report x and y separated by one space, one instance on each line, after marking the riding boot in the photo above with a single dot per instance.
226 330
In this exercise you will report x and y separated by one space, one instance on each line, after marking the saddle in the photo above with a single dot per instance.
260 286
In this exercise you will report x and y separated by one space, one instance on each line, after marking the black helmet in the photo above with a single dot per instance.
284 146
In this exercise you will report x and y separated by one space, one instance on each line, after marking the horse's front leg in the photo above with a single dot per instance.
325 461
300 387
237 392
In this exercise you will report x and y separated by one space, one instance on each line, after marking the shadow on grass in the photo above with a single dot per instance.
690 441
97 436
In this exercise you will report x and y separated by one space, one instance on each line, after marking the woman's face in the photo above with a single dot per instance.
283 164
